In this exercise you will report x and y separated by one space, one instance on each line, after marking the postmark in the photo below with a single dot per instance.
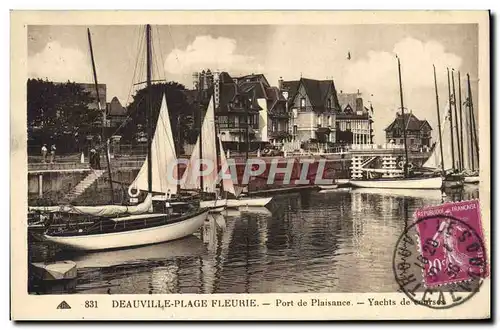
440 259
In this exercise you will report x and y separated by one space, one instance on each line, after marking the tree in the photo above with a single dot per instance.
180 111
59 113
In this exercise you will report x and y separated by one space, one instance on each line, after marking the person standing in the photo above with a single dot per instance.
52 153
92 158
44 153
98 159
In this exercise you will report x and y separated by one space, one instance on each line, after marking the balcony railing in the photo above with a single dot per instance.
237 126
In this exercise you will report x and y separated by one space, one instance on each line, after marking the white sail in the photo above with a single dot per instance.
101 210
227 183
162 154
191 177
435 160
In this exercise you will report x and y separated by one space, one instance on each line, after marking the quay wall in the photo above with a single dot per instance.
59 179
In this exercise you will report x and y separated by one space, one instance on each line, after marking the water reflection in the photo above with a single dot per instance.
308 242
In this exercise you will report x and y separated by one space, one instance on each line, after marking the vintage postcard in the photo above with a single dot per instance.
295 165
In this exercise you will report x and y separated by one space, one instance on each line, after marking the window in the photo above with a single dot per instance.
412 141
274 126
303 103
294 129
329 121
348 126
400 141
329 103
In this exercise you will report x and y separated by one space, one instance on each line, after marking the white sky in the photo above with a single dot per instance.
61 53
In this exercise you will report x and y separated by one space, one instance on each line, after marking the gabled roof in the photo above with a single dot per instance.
349 99
256 86
225 78
254 78
316 90
292 87
115 108
227 94
412 123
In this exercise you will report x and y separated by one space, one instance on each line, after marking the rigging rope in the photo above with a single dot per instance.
173 43
139 51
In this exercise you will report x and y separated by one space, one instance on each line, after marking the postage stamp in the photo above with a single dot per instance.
452 250
440 259
204 165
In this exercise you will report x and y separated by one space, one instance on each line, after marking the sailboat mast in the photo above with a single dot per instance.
103 137
451 122
218 151
471 136
461 122
403 115
456 118
149 104
439 119
178 151
471 107
200 98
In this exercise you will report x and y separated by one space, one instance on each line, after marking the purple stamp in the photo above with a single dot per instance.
451 250
440 259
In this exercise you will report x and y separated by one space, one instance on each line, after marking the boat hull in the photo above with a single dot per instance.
328 187
214 204
145 236
61 270
217 209
471 179
248 201
235 203
343 182
413 183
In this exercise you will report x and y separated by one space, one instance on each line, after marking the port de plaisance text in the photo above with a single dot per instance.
225 303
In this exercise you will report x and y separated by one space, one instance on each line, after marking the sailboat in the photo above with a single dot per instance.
193 180
471 175
443 151
407 180
122 226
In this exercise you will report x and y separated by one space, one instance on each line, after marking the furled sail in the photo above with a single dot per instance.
162 154
435 161
191 177
101 210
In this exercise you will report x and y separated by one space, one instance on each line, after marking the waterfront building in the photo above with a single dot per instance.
354 120
313 105
238 99
418 132
273 114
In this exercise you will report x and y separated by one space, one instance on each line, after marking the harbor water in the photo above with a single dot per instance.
336 241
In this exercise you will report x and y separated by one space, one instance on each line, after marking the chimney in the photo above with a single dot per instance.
280 83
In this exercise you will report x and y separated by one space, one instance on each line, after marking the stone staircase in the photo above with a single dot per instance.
83 185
